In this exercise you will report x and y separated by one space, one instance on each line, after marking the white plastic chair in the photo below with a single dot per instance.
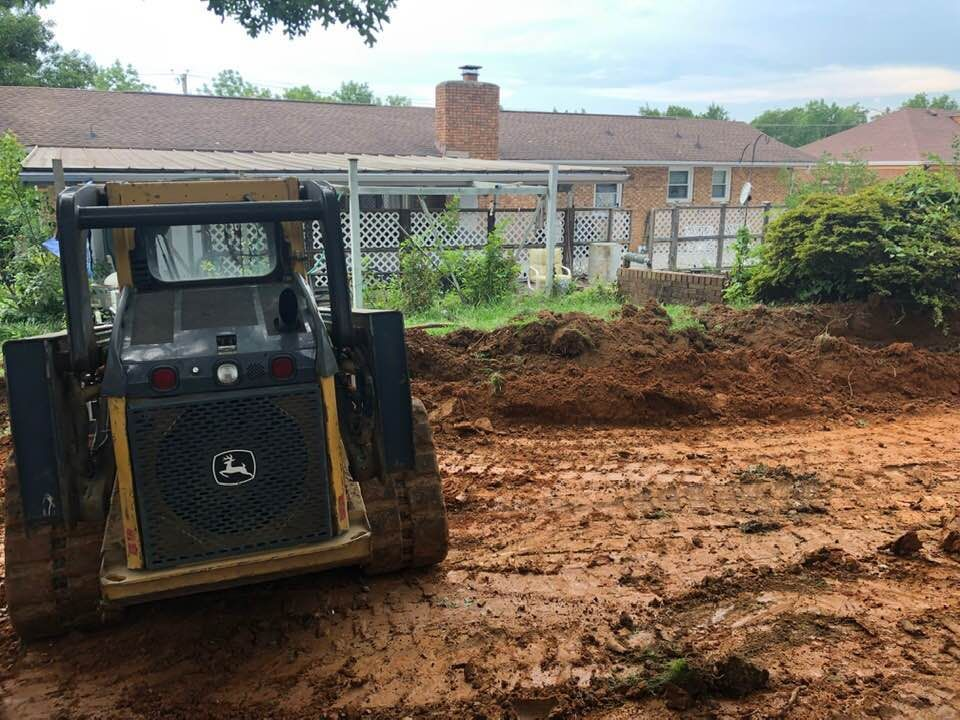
537 272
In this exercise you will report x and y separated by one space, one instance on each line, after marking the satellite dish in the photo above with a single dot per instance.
745 192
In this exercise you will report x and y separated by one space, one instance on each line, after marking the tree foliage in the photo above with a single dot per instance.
29 56
366 17
30 289
119 78
942 102
834 176
230 83
804 124
898 239
713 112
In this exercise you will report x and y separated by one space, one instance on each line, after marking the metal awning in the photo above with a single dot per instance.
103 164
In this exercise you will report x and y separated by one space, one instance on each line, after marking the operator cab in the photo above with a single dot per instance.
214 307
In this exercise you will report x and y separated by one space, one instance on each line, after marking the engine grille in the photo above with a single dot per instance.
195 503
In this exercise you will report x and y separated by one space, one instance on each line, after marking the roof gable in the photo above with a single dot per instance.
909 135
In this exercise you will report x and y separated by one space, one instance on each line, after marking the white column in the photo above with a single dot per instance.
551 224
354 182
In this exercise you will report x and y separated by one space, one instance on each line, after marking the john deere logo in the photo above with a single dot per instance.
234 467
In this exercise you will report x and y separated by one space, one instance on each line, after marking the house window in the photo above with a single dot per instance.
606 195
679 184
720 186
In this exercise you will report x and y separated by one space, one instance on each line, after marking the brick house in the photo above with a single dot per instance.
893 143
631 162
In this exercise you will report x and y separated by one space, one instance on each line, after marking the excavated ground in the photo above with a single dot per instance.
643 524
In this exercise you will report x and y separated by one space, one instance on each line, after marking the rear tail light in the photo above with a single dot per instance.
163 379
282 367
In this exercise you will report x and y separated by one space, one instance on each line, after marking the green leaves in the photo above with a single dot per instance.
296 16
898 239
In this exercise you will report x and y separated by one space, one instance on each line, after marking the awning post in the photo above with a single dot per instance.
355 265
551 224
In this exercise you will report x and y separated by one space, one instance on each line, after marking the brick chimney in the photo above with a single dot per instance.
467 116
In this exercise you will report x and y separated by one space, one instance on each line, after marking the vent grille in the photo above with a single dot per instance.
256 371
186 515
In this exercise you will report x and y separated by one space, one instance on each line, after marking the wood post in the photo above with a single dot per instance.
405 226
721 234
609 224
766 219
569 218
674 236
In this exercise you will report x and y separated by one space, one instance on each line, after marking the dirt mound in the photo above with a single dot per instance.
763 362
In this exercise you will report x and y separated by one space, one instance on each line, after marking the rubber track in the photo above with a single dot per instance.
406 511
52 576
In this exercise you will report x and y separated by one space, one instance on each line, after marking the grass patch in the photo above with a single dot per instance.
600 301
682 318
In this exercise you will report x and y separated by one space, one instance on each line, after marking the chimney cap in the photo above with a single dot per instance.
470 68
469 72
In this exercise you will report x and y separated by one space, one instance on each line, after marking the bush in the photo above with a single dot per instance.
30 286
737 292
899 239
484 277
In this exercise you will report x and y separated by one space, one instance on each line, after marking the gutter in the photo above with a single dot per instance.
38 176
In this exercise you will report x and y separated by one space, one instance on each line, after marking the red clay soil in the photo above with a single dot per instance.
613 556
761 363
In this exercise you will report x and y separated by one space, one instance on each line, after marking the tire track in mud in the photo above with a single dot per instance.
584 561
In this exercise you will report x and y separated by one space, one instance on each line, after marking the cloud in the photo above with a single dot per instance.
831 81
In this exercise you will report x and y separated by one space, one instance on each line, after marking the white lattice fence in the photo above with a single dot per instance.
382 232
698 234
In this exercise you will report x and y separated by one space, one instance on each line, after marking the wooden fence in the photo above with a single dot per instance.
702 237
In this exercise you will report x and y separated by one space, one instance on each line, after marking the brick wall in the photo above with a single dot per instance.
638 286
467 118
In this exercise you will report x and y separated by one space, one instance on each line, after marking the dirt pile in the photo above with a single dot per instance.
759 363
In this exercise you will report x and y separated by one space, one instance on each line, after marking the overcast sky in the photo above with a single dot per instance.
604 55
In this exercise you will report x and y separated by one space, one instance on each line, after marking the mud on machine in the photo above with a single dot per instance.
227 428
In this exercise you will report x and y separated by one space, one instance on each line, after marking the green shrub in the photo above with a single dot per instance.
737 292
32 290
482 277
899 239
419 278
30 286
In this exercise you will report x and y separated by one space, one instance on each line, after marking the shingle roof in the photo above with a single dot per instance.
908 135
89 118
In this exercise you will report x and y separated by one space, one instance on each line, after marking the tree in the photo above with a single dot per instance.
355 92
800 125
305 93
678 111
119 78
296 16
942 102
67 69
715 112
398 101
24 39
229 83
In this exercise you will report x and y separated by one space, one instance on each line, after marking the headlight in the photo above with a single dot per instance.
227 373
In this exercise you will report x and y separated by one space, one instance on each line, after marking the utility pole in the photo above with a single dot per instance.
182 80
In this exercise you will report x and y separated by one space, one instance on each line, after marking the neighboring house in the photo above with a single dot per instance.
632 162
897 141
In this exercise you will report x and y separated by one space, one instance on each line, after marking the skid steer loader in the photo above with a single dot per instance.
227 428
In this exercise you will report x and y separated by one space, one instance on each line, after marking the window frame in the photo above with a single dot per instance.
726 196
619 200
688 169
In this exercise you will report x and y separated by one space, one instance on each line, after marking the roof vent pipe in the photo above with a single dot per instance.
470 73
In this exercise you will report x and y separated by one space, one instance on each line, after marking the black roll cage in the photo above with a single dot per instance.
84 208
